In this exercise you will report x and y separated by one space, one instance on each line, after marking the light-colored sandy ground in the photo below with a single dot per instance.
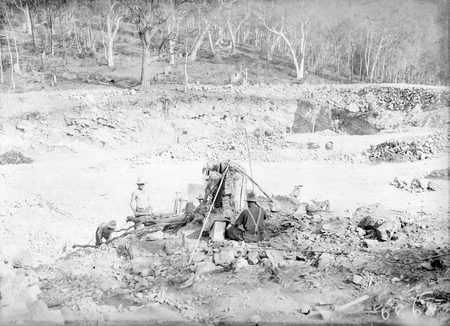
65 196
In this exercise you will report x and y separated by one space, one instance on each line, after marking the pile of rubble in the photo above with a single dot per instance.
406 98
402 150
264 147
415 184
14 157
19 289
440 174
151 267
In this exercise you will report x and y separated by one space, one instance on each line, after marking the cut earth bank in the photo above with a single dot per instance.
60 198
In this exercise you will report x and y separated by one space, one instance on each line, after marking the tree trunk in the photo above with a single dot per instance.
198 42
375 61
11 60
301 70
16 48
1 67
146 39
63 40
146 67
26 12
233 39
33 32
171 45
272 49
211 43
111 36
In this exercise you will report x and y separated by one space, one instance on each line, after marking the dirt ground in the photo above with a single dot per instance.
74 184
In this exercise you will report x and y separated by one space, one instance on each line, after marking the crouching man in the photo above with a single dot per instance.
249 226
104 231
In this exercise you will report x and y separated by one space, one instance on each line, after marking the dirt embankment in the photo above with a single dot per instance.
72 121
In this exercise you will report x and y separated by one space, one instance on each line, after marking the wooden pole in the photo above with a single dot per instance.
249 160
209 213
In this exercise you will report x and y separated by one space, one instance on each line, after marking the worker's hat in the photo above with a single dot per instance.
251 197
111 224
141 181
190 207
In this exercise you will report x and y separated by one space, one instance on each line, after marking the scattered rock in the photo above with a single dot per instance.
253 257
255 319
138 265
241 263
225 256
371 244
153 236
275 258
68 315
305 308
39 311
357 279
325 260
376 217
325 314
204 267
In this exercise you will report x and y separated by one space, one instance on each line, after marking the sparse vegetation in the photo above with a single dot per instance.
392 41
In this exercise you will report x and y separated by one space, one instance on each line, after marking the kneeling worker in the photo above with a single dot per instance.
249 226
104 231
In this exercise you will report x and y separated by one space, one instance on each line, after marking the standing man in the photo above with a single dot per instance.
140 203
249 226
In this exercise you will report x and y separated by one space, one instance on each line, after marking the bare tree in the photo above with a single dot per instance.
208 12
149 16
23 5
112 12
278 29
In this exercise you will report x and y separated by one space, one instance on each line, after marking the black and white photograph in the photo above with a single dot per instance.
225 162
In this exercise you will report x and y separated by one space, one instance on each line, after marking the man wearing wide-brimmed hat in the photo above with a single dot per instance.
104 231
140 199
249 226
140 202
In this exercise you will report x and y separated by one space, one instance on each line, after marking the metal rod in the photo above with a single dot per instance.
209 213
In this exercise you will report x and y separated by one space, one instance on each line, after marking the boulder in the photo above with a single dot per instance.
141 285
275 258
241 263
253 257
68 315
33 291
17 256
383 221
225 256
158 235
325 260
14 293
388 229
353 107
39 311
204 267
138 265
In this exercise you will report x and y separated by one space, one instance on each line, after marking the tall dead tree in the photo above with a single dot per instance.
208 12
280 31
111 12
150 17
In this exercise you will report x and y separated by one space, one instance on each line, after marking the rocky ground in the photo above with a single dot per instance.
383 241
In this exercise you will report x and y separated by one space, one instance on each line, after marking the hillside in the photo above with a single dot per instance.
75 137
